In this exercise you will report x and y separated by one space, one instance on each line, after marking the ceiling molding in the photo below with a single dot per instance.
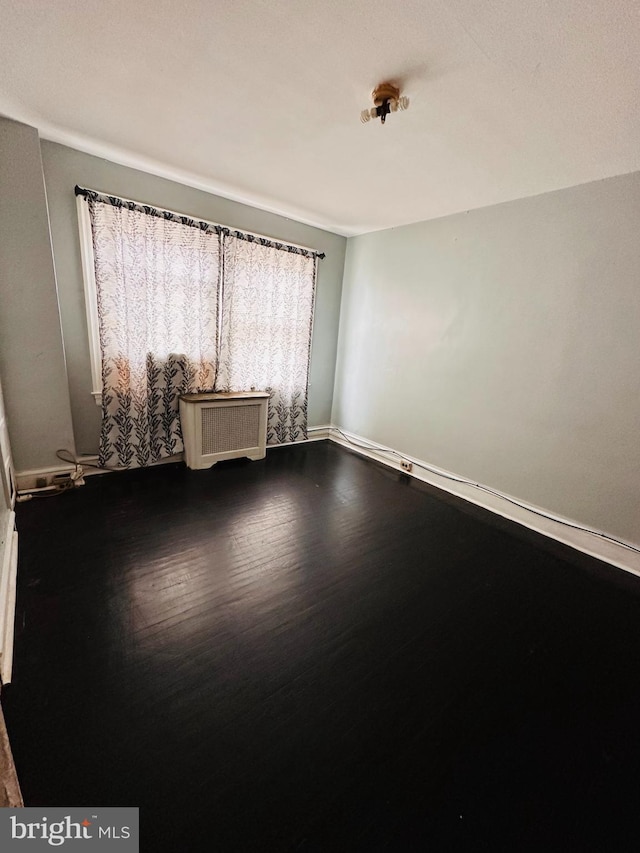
262 107
132 160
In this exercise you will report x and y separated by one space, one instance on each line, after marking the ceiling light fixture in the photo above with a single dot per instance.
387 99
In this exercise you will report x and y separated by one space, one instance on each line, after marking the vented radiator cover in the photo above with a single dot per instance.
223 426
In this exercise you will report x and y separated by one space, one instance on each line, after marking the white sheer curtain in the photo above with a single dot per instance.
265 340
157 283
186 306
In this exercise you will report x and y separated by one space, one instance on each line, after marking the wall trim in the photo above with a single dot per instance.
26 480
133 160
319 433
8 572
588 543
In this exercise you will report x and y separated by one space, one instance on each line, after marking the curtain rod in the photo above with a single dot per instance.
202 224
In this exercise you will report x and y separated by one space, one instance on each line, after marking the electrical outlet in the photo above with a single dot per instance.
60 479
406 465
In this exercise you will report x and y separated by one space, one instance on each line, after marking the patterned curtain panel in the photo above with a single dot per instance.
157 282
267 311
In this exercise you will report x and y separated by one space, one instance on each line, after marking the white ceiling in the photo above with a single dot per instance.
259 100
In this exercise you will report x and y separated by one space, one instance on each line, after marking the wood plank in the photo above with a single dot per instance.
313 652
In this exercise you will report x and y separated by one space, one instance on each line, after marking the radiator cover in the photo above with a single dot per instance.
223 426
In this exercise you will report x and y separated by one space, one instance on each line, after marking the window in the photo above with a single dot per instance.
176 305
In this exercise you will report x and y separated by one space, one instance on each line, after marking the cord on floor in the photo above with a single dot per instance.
463 481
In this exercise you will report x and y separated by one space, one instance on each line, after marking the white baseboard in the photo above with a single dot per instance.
319 433
555 527
8 572
26 480
85 461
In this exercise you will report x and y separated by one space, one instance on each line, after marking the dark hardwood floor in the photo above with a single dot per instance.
314 653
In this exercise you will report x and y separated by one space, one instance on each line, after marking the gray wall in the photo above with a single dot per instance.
501 344
504 345
64 167
32 363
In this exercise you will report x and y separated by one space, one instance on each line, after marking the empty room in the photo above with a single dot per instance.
319 416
